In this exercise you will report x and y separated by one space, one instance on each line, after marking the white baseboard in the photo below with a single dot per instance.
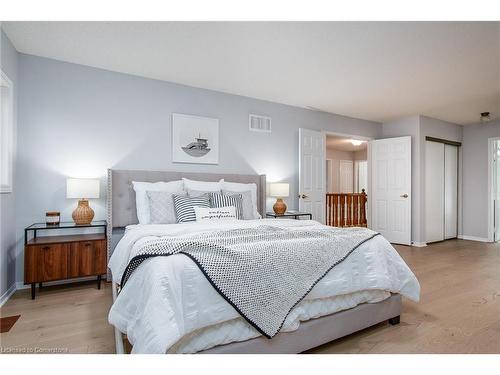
472 238
20 285
9 292
419 244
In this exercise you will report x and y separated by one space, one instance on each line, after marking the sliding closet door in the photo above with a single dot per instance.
434 191
450 191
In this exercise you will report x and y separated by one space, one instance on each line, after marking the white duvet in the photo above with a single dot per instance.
169 306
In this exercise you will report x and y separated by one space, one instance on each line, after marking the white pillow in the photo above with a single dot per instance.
141 198
161 207
197 193
236 187
219 213
201 185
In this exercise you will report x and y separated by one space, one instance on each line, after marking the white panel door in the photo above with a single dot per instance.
450 191
391 188
346 176
434 191
312 173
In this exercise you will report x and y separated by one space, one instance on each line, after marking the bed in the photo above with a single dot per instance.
171 305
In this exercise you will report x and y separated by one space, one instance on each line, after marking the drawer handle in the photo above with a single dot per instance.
46 248
88 243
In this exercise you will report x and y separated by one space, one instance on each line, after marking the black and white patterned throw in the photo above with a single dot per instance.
263 272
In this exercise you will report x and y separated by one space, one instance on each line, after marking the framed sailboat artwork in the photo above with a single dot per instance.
195 139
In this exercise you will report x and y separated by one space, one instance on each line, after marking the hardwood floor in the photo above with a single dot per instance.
459 310
71 318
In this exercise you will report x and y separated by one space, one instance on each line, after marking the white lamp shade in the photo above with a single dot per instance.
279 190
80 188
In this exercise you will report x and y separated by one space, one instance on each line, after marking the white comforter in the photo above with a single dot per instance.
169 305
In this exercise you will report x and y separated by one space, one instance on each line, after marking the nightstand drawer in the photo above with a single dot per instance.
87 258
46 262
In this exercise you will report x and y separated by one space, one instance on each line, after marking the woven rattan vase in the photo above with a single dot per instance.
83 214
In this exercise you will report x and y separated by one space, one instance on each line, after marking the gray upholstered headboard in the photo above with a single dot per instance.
121 196
121 210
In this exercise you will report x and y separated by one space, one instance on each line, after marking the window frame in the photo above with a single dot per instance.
6 134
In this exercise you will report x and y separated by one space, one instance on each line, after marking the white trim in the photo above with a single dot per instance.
419 244
369 184
8 130
491 198
473 238
109 216
8 293
350 136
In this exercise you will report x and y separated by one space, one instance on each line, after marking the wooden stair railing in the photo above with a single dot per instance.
346 209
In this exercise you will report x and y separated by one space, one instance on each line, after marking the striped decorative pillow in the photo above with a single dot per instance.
218 200
184 206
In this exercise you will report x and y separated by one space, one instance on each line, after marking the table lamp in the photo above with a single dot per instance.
82 189
280 191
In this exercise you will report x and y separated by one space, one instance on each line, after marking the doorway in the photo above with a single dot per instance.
316 178
346 181
346 164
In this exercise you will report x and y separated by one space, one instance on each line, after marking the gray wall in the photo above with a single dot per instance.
8 62
78 121
475 177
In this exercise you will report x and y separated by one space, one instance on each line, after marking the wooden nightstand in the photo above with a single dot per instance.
51 258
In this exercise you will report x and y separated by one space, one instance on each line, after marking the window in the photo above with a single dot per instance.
6 132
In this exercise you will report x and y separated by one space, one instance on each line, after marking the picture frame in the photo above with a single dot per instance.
195 139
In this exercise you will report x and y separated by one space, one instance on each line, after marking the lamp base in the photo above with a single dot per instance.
279 207
83 214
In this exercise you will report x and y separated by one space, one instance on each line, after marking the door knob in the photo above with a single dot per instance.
404 196
303 196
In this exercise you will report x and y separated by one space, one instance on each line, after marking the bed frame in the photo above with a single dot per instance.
121 211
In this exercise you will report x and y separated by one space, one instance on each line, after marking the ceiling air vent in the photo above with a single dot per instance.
258 123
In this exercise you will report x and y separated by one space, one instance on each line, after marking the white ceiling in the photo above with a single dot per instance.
377 71
343 144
